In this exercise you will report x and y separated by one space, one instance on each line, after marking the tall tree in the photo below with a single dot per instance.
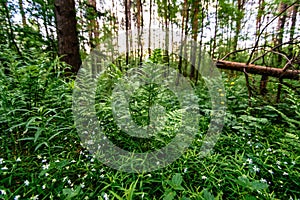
68 44
93 24
293 27
22 12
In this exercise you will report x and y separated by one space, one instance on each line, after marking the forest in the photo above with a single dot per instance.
150 99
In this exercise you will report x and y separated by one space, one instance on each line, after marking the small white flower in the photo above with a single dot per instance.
44 160
44 187
73 161
67 167
46 174
279 167
263 180
293 162
1 161
105 196
185 170
36 197
46 166
39 157
285 163
157 163
17 197
53 180
93 170
278 162
64 179
249 160
18 159
4 168
3 192
69 182
57 161
270 171
255 168
102 176
269 149
285 174
204 177
101 170
82 185
26 182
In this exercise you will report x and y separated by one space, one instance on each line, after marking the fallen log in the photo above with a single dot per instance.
257 69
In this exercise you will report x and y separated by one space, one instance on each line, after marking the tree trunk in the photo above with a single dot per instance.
68 45
93 25
195 24
22 12
128 28
293 28
238 23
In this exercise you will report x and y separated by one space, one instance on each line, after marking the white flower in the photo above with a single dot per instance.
204 177
279 167
102 176
46 174
293 162
36 197
46 166
249 160
82 185
270 171
278 162
269 149
1 160
44 187
101 170
18 159
26 182
263 180
255 168
285 174
44 160
73 161
4 168
3 192
105 196
17 197
53 180
285 163
184 170
39 157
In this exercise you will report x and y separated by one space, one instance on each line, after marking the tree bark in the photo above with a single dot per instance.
293 28
22 12
93 25
68 44
261 70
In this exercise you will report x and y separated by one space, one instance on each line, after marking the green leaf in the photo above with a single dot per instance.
207 195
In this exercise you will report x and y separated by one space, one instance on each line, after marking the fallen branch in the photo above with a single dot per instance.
257 69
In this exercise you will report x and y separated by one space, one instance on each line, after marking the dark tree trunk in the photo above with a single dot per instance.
68 44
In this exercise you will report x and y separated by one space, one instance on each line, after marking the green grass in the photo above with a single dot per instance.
256 157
